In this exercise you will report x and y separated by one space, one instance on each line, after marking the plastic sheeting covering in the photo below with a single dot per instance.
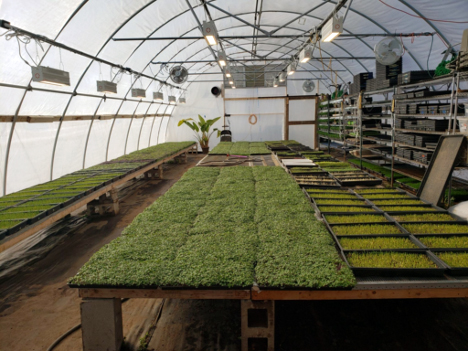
90 26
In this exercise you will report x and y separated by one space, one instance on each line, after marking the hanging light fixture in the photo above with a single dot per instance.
275 82
49 75
282 77
227 72
210 33
104 86
182 99
231 81
306 54
222 60
332 29
233 87
138 93
292 68
172 100
158 96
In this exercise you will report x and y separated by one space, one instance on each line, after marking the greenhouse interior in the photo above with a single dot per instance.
233 175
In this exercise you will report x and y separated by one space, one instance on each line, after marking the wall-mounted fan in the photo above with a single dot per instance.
179 74
308 86
388 51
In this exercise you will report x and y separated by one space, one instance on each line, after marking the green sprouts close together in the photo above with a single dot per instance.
390 260
333 219
444 242
434 228
379 243
454 259
365 229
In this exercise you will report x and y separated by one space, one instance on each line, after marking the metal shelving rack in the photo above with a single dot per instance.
453 99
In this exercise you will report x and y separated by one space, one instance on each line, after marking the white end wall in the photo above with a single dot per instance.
200 101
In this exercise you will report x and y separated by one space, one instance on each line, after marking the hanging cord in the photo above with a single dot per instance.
100 72
321 60
21 38
402 45
61 62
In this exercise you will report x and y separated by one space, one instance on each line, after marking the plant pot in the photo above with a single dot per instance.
205 149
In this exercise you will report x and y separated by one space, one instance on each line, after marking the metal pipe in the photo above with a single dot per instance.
129 127
270 71
265 60
30 88
234 37
142 124
455 112
152 126
6 25
238 18
89 133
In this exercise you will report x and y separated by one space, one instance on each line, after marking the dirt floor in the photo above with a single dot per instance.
36 306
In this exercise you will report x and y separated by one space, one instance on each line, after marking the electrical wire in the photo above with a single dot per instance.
425 18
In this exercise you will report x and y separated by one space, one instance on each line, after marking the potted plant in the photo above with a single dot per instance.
203 128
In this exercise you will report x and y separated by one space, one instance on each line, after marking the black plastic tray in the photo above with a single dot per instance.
361 213
17 227
455 271
3 234
399 272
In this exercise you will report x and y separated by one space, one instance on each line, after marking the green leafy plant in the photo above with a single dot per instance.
424 217
365 229
374 190
202 128
339 202
378 243
355 219
328 191
406 208
428 228
458 242
345 209
390 260
223 228
387 196
454 259
398 202
7 224
332 196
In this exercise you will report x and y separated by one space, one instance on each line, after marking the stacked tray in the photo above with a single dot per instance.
415 76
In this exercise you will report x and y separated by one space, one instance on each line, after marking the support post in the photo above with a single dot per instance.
101 324
258 325
114 195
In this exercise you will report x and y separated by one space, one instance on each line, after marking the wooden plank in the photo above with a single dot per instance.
30 230
297 123
359 294
192 294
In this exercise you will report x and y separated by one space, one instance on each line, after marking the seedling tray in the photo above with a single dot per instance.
455 271
18 227
38 217
324 207
351 183
387 221
416 242
398 272
3 234
393 224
